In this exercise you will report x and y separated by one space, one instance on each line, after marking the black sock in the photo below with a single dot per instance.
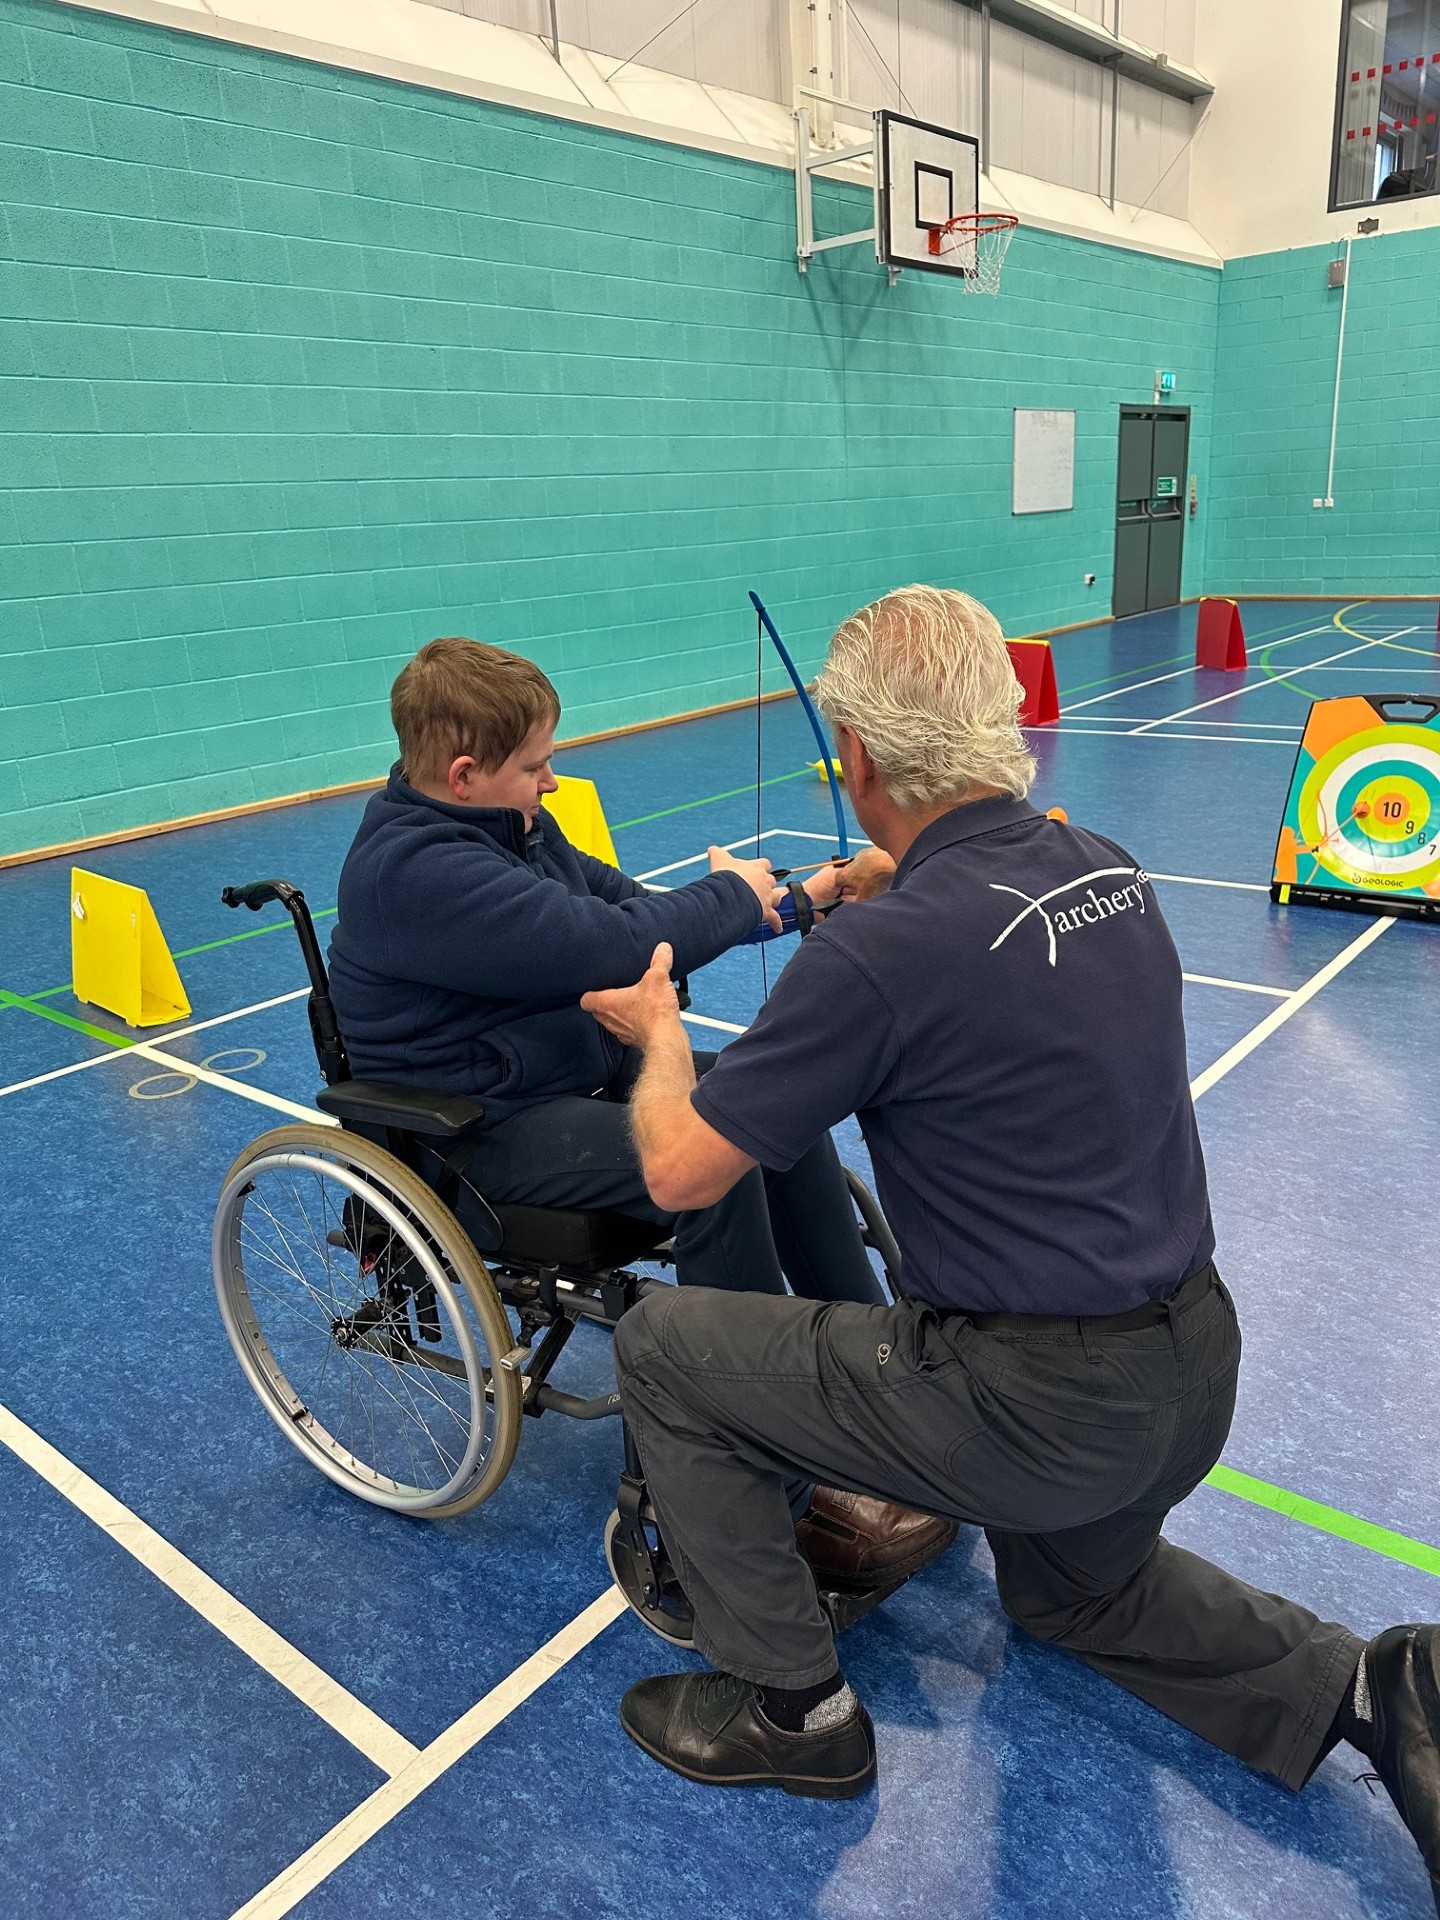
1353 1720
786 1707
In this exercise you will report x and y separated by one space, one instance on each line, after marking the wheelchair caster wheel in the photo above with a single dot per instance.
664 1610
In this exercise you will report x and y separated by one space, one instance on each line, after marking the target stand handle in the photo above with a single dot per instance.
1383 702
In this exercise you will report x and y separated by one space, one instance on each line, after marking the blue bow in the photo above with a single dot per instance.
826 756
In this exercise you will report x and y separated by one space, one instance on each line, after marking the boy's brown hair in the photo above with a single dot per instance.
460 697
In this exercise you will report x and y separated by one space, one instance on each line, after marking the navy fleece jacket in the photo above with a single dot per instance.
464 943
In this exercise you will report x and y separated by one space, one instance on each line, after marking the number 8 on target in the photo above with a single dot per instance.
1362 817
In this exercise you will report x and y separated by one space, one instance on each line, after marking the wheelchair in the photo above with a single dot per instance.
399 1350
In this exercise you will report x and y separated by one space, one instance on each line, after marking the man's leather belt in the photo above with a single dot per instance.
1153 1314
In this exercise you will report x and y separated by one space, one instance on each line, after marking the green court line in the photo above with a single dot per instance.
730 793
1310 1513
206 946
251 933
63 1019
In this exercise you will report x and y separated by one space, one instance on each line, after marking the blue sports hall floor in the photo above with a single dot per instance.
229 1688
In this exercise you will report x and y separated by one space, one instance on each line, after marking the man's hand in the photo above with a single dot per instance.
636 1014
825 887
757 876
869 873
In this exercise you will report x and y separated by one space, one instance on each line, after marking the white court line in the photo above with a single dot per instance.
1134 719
746 840
1132 733
703 1020
1292 1004
1250 685
289 1887
178 1064
1191 880
1180 672
1240 986
177 1033
335 1705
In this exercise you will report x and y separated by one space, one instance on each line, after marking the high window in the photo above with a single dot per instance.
1387 122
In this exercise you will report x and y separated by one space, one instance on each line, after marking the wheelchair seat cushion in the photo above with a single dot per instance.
566 1237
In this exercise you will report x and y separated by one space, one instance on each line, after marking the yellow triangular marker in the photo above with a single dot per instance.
581 818
839 771
118 955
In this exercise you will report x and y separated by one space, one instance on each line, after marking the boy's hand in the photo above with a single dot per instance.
757 876
869 873
635 1014
826 885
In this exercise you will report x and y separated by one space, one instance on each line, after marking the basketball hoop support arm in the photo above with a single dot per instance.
806 166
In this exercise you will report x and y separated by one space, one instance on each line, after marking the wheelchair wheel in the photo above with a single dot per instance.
666 1612
366 1322
875 1230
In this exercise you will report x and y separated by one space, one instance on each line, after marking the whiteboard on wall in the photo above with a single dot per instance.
1044 471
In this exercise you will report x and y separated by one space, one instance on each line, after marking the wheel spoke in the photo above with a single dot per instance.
328 1331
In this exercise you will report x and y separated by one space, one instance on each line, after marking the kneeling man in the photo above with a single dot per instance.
1005 1021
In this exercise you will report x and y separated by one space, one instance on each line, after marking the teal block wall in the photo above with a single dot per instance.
301 368
1275 384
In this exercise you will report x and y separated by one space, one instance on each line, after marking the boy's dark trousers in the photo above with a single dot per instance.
798 1226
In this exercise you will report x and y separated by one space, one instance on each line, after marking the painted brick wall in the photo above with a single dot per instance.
1275 376
300 369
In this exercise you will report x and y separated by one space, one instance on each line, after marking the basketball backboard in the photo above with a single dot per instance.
927 177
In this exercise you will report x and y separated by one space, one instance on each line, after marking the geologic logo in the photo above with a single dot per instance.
1088 912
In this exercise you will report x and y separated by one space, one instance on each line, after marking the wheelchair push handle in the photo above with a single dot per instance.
259 893
329 1047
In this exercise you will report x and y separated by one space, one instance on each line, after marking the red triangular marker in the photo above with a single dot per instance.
1035 670
1220 637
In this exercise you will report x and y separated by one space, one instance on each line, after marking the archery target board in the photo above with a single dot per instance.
1362 819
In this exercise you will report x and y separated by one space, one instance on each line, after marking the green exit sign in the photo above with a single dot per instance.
1167 485
1164 382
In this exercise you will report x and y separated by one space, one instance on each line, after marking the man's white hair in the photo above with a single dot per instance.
923 677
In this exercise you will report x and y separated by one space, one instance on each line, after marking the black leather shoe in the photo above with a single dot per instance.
709 1727
1402 1668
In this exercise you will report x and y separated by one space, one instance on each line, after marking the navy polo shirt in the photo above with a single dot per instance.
1006 1025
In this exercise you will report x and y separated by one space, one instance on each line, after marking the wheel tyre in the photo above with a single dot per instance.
875 1230
456 1269
630 1577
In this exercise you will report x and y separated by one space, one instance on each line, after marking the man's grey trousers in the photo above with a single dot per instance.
1068 1446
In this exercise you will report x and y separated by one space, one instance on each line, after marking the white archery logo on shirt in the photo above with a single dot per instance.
1088 912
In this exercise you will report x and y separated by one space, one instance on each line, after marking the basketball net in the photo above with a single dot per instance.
976 243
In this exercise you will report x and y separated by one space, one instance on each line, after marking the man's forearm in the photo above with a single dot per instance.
660 1103
686 1163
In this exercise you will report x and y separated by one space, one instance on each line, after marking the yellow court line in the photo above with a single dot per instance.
390 1751
289 1887
1425 653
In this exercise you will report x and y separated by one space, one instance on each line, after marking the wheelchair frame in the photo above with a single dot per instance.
440 1270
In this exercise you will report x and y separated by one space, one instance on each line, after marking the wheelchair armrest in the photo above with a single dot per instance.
416 1109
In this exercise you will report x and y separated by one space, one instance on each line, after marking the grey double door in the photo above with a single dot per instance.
1150 507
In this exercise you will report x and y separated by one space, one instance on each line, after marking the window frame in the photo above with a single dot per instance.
1336 204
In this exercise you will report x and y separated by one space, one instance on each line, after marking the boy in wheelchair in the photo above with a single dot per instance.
468 930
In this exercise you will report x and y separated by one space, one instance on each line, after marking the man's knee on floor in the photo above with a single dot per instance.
1035 1603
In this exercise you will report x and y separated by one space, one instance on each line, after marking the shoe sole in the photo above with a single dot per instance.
849 1787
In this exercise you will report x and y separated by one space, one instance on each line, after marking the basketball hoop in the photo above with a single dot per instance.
976 243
